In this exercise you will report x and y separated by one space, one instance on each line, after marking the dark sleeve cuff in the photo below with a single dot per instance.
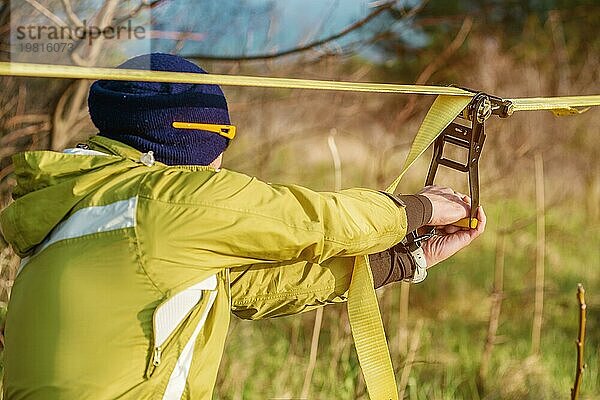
418 210
391 266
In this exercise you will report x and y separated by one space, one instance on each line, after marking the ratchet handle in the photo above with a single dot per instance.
470 223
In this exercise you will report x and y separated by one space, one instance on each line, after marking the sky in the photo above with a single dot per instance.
258 26
226 28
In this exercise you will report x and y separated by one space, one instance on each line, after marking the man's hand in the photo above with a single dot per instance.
450 239
448 205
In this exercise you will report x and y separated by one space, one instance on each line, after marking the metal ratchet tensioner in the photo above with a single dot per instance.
468 134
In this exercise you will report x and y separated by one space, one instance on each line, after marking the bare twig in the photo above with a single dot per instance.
21 99
337 165
580 342
356 25
536 331
4 172
403 317
459 39
47 13
318 27
562 55
77 59
70 109
410 358
67 114
25 119
142 6
335 155
339 340
404 13
362 43
9 141
106 14
495 308
314 346
9 105
73 18
438 62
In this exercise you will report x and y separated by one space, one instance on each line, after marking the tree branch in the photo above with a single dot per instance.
73 18
580 342
143 5
356 25
47 13
438 62
357 45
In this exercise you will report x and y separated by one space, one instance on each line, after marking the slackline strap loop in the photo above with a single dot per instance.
363 310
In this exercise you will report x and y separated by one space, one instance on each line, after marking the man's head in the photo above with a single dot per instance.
141 114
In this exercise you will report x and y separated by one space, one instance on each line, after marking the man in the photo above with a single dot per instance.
137 246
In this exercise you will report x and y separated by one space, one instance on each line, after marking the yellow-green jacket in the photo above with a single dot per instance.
130 272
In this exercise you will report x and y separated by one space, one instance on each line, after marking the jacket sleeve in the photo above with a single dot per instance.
267 291
230 220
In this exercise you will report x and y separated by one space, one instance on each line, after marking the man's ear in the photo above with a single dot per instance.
216 164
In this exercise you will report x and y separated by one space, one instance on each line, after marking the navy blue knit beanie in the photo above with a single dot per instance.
141 114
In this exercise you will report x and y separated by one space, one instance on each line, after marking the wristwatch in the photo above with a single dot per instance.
412 246
421 271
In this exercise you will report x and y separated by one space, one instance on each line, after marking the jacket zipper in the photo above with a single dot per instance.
157 348
156 358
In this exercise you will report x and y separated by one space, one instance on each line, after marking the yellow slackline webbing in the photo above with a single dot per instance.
554 103
442 112
363 310
75 72
559 106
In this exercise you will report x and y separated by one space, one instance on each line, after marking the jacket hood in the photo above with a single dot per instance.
51 184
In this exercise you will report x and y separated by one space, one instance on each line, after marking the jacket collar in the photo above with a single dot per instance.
110 146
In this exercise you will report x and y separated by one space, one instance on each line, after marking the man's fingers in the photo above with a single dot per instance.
449 205
448 229
452 239
466 206
482 219
439 190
